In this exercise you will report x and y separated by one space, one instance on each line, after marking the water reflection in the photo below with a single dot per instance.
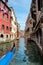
33 53
26 54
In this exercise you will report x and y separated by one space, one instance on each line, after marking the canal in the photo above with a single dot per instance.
26 54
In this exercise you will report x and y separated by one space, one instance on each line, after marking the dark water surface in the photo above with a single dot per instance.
4 48
26 54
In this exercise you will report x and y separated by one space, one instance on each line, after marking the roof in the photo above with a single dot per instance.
5 4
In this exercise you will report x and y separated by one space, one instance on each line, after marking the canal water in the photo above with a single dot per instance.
4 48
26 54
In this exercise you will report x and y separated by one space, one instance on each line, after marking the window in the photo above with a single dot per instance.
1 36
33 15
28 30
34 1
3 26
3 15
10 36
9 12
4 7
6 36
42 3
7 28
0 3
34 23
39 5
10 28
7 15
30 22
11 18
15 23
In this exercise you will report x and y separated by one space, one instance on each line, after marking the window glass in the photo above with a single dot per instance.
3 26
10 36
3 15
0 3
7 28
4 7
11 18
39 4
10 28
42 3
6 36
1 36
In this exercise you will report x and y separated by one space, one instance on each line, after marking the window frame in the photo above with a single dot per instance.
3 27
7 28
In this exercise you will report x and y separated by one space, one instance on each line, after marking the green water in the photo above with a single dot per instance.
4 48
26 54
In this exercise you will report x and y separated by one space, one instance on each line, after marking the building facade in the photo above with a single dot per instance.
14 26
5 23
18 31
22 33
37 16
28 27
36 11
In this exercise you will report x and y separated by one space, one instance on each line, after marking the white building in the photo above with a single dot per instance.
14 26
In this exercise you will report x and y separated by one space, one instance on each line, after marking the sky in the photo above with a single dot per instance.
21 9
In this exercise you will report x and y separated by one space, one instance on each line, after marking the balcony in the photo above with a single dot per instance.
34 24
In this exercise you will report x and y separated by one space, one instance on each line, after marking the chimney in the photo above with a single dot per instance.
6 1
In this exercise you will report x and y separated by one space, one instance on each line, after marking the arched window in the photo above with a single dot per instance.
1 36
7 28
6 36
3 27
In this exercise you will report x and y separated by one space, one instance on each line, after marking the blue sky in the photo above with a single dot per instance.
21 9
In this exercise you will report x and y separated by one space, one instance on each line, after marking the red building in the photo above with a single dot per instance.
5 23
